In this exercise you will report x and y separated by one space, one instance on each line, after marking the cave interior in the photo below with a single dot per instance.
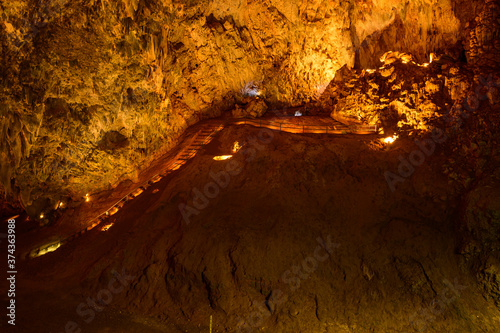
249 166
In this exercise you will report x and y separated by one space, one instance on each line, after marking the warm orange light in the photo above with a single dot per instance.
176 167
112 211
390 139
156 179
45 249
384 56
137 192
107 227
222 158
87 199
236 147
42 216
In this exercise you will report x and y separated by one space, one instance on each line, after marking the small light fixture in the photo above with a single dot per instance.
390 139
236 147
87 199
42 216
222 158
107 227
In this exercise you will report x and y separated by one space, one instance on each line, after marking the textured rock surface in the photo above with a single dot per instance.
482 36
416 27
254 108
394 261
401 95
77 74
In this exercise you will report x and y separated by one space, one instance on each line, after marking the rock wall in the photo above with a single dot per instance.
401 96
91 89
417 27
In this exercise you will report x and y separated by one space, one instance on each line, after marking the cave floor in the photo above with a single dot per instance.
302 234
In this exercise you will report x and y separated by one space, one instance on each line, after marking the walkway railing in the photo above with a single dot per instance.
317 129
191 151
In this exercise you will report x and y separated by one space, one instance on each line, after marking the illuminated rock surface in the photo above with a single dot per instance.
74 72
393 254
403 95
94 93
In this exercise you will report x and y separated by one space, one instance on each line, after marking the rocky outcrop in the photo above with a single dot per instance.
481 36
253 108
403 95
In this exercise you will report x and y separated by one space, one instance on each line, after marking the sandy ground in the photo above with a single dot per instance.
249 254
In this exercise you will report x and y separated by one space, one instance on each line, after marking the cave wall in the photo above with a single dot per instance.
91 89
415 27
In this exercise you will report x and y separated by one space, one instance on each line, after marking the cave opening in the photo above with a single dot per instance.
237 166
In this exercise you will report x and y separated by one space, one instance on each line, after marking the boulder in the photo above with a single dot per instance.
254 109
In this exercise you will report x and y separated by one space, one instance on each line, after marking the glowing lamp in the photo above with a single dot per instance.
222 158
107 227
390 139
236 147
46 249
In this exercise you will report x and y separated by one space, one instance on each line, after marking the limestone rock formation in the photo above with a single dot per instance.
403 95
73 72
255 108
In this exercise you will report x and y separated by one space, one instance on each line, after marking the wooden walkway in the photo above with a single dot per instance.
201 139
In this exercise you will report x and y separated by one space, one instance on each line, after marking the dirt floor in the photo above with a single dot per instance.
295 233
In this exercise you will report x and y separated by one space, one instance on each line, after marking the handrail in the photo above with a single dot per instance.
307 128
